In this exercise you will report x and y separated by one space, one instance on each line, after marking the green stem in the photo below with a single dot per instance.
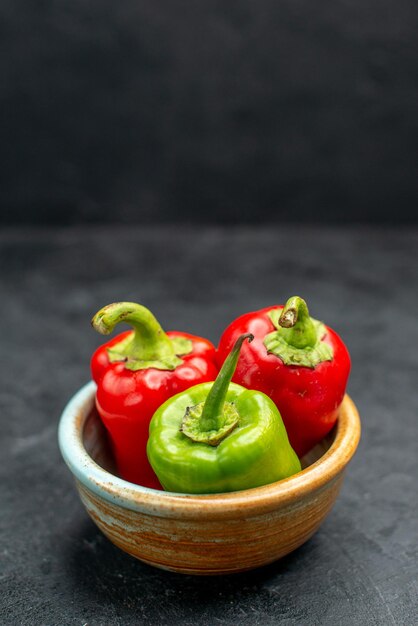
212 417
148 346
298 339
297 327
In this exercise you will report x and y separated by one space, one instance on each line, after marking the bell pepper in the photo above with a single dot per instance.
135 373
218 437
300 363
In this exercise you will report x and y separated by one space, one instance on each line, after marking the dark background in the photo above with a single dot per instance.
273 110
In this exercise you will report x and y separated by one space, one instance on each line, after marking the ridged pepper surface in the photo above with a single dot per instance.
135 373
219 437
300 363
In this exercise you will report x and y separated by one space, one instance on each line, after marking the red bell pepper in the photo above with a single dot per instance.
299 362
135 373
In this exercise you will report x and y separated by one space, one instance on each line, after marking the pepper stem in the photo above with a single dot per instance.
211 421
148 346
298 339
297 327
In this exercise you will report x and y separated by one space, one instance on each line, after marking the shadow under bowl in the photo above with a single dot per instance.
208 534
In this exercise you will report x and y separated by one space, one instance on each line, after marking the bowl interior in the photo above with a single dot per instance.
97 444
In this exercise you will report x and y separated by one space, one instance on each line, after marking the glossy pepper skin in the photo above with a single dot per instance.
219 437
301 364
135 373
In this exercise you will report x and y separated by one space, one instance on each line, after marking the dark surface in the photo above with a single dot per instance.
56 567
145 111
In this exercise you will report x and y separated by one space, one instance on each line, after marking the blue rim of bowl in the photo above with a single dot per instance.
119 492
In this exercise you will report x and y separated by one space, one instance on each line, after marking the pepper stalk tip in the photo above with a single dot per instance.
98 323
288 318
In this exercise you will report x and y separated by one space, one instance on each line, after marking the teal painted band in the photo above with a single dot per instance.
80 463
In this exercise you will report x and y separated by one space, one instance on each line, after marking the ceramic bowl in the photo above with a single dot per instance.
214 534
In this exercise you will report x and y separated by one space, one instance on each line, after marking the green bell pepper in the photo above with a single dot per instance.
218 437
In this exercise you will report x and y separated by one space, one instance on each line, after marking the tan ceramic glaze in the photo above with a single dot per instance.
214 534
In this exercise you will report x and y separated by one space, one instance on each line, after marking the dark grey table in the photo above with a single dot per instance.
55 566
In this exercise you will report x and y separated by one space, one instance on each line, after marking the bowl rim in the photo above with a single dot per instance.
263 499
